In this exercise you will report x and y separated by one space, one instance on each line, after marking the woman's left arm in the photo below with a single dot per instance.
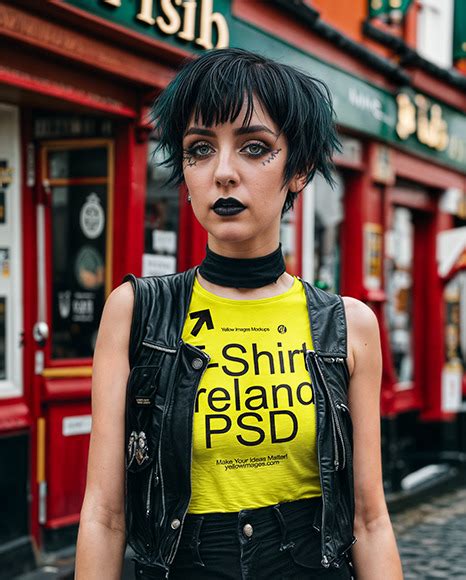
375 553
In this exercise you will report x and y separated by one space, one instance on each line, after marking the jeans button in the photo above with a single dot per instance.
175 524
247 530
196 363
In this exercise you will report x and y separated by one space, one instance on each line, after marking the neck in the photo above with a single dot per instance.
242 272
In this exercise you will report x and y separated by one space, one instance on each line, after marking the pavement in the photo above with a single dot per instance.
431 537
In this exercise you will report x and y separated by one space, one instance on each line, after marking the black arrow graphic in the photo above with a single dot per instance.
203 316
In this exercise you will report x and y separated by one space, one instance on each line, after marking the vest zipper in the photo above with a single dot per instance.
148 492
324 560
172 553
335 419
160 478
149 489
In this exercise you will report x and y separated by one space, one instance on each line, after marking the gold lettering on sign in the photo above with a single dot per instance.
189 20
171 20
423 119
208 19
145 12
406 121
171 13
432 129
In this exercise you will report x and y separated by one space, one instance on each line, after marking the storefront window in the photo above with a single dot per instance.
455 342
11 283
79 227
328 217
455 318
161 219
2 338
399 286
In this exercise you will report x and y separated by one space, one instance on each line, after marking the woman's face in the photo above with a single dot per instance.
244 163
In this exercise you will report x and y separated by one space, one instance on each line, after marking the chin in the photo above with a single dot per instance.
229 232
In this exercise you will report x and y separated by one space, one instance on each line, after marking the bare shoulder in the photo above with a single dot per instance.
121 299
359 315
362 328
118 308
114 332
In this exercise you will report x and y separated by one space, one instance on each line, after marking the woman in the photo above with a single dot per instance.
237 464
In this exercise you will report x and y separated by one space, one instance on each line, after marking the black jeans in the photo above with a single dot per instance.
275 542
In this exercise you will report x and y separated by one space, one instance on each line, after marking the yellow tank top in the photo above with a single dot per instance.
254 434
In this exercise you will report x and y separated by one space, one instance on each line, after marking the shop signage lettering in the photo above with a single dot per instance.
172 20
417 116
427 127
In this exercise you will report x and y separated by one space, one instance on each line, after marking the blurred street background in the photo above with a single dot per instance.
82 203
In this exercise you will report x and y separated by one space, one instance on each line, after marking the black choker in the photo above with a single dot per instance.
242 272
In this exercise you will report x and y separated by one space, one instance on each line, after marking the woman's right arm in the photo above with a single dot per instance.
101 537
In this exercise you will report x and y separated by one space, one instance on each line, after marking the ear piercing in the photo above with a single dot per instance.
189 199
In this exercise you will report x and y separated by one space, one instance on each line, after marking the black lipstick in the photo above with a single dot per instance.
226 206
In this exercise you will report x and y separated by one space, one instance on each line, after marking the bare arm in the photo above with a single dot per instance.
375 553
101 537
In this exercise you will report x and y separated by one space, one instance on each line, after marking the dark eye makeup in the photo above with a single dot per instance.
203 149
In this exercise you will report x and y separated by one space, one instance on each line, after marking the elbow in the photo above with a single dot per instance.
103 516
367 525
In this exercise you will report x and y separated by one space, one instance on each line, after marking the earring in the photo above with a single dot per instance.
189 199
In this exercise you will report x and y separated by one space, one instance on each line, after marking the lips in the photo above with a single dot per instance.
227 206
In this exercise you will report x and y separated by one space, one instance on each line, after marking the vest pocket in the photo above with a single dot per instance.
143 494
141 413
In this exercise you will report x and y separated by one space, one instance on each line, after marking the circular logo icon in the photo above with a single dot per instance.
92 217
281 329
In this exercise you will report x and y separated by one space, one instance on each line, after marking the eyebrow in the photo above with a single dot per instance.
239 131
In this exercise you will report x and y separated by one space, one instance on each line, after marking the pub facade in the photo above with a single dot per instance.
83 202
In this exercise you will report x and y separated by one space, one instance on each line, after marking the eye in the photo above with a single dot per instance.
256 149
199 149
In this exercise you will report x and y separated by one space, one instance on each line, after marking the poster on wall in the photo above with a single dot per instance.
452 376
373 237
6 178
158 265
5 262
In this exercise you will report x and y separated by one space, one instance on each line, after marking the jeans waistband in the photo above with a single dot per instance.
259 515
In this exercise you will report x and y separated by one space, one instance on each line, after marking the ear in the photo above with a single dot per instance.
297 183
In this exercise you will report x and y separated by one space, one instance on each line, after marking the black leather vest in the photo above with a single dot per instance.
161 391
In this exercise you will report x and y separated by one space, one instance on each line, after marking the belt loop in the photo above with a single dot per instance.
285 545
195 542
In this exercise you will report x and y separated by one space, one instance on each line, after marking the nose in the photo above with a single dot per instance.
225 172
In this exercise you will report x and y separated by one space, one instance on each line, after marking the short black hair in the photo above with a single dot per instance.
214 87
